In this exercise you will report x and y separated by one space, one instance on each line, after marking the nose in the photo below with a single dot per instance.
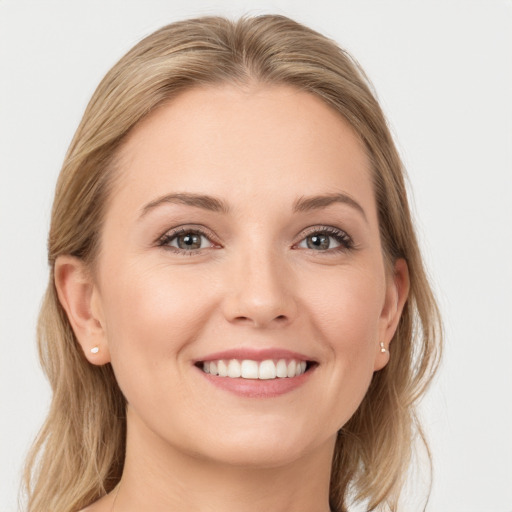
260 290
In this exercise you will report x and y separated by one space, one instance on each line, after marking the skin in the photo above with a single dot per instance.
256 283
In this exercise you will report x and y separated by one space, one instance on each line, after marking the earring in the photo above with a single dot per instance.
95 349
382 347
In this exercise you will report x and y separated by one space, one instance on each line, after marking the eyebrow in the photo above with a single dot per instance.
307 204
215 204
205 202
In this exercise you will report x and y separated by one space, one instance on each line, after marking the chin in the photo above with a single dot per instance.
263 446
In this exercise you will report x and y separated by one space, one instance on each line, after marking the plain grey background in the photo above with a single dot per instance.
443 73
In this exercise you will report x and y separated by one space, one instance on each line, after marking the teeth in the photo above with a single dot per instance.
267 370
249 369
234 369
222 369
291 368
281 369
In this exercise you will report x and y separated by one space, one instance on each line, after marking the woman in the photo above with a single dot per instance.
238 317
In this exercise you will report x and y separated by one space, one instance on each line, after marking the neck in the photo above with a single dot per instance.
159 477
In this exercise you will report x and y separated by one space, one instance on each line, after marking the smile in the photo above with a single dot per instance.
267 369
257 373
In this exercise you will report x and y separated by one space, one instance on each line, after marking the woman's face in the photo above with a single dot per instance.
242 236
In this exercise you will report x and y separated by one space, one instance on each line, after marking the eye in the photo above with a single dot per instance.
185 240
191 241
327 239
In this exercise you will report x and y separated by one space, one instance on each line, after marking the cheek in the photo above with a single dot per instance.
347 316
348 307
152 315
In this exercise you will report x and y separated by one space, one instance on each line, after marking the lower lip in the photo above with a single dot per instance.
256 388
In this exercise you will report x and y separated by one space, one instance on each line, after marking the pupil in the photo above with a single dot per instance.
190 240
319 241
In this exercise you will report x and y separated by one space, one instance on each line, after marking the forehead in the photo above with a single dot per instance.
260 142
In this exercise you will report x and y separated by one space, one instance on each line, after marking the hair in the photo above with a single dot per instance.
78 455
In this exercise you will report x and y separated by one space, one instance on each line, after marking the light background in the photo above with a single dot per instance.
443 73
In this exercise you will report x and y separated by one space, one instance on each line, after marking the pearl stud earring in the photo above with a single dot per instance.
382 347
95 350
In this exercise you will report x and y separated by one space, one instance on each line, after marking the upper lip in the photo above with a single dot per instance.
255 354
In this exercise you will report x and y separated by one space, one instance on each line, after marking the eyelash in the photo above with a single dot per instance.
345 241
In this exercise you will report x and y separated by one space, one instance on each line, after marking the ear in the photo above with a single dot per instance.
397 291
79 296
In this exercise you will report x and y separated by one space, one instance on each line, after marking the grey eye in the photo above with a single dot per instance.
319 241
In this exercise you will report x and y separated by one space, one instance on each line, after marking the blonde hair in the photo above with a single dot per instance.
79 453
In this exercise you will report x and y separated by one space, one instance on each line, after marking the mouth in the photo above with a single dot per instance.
266 369
257 373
